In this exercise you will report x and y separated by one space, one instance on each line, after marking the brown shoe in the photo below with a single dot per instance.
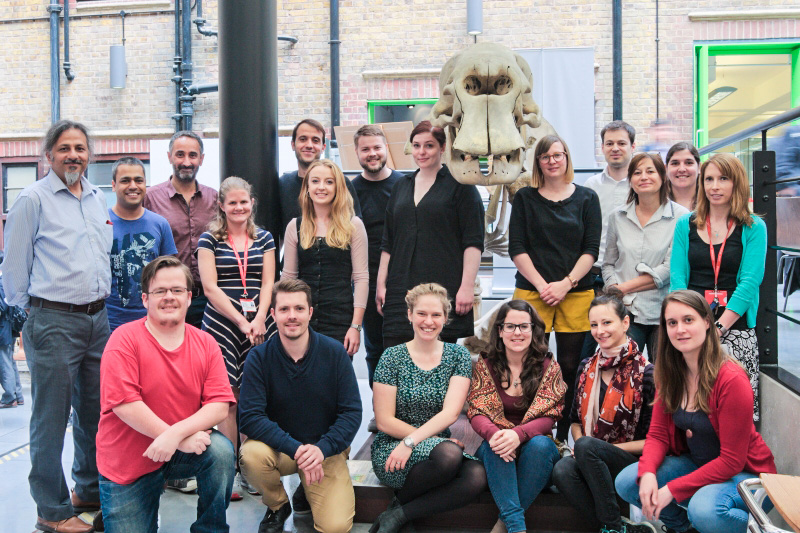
80 506
73 524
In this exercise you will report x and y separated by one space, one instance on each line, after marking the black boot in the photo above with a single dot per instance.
390 521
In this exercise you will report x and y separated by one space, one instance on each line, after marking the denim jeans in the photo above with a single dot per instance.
63 351
133 508
715 508
514 485
587 479
9 375
373 334
646 336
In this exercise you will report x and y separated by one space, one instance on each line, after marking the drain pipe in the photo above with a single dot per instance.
334 42
55 73
616 30
176 68
657 71
187 101
67 66
200 22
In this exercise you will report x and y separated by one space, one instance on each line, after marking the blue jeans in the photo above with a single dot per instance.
63 351
715 508
9 375
133 508
516 484
373 334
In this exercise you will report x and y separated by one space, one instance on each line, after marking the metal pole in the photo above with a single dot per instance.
67 66
764 205
248 102
55 74
176 68
187 107
616 23
334 42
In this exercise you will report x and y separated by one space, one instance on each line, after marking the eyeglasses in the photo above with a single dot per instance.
558 157
525 327
176 291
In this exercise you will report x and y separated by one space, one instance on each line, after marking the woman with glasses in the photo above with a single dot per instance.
683 164
638 247
516 396
609 417
718 251
554 239
237 268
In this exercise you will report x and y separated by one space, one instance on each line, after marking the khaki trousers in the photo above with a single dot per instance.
333 503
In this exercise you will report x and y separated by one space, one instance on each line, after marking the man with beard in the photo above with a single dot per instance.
308 142
57 244
300 407
164 387
373 188
188 206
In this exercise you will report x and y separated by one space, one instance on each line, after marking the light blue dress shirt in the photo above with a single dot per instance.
57 246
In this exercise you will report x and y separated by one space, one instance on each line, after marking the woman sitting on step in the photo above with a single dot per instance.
517 394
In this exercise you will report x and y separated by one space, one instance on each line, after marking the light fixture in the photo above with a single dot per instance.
119 67
719 94
474 17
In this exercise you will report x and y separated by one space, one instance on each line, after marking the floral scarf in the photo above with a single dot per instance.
483 398
614 421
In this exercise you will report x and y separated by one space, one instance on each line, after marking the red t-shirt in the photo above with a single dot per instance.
174 384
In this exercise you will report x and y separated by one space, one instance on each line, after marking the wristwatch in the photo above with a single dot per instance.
408 441
722 329
573 282
357 327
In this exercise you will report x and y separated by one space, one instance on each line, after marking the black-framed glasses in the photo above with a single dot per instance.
558 157
508 327
176 291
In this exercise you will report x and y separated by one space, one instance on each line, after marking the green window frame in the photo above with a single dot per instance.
372 104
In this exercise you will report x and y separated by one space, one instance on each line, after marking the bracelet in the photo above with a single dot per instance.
572 282
722 329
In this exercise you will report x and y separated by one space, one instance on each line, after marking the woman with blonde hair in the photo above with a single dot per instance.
236 260
327 248
702 440
719 251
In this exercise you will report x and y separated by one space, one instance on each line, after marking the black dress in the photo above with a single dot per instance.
427 243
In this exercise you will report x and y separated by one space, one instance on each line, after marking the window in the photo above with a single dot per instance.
415 111
17 176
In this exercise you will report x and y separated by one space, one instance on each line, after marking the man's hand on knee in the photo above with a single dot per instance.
313 474
196 443
163 447
308 456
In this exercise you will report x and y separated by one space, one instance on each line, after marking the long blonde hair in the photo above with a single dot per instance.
341 227
218 227
731 167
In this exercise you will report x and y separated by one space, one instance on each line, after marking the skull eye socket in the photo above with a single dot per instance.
503 85
473 85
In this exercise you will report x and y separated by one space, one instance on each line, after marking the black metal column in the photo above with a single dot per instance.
248 101
187 107
616 45
764 205
334 42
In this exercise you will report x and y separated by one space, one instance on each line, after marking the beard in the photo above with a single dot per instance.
185 174
370 166
72 178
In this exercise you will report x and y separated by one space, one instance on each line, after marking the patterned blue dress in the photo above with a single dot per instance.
231 340
420 396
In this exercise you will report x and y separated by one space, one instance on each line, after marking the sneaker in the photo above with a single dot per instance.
637 527
250 489
300 504
666 529
236 491
186 485
273 520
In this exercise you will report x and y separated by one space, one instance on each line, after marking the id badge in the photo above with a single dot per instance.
248 305
717 298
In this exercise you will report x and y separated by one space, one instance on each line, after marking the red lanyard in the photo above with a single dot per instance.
716 262
242 268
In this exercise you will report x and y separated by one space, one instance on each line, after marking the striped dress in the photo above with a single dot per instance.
232 341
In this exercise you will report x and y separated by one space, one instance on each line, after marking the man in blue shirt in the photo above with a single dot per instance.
300 407
57 244
139 237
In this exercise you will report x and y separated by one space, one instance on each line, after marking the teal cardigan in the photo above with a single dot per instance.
744 300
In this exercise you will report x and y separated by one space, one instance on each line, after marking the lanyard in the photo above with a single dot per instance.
242 268
716 262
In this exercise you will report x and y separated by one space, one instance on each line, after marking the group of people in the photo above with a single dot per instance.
186 281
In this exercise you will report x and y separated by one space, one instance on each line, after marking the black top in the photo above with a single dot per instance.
704 442
289 186
701 273
374 197
554 234
427 244
648 395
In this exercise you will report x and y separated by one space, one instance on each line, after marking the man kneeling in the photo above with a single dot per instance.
163 385
300 407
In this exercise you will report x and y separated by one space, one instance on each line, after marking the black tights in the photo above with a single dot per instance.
568 354
446 480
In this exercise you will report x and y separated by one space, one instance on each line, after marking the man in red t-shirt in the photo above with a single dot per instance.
163 385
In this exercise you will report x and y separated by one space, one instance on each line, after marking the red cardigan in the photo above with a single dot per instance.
741 447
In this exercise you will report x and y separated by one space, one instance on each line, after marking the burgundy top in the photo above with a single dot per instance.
484 427
188 222
741 447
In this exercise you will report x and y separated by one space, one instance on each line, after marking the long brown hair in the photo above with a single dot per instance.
341 228
731 167
671 368
532 364
218 227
